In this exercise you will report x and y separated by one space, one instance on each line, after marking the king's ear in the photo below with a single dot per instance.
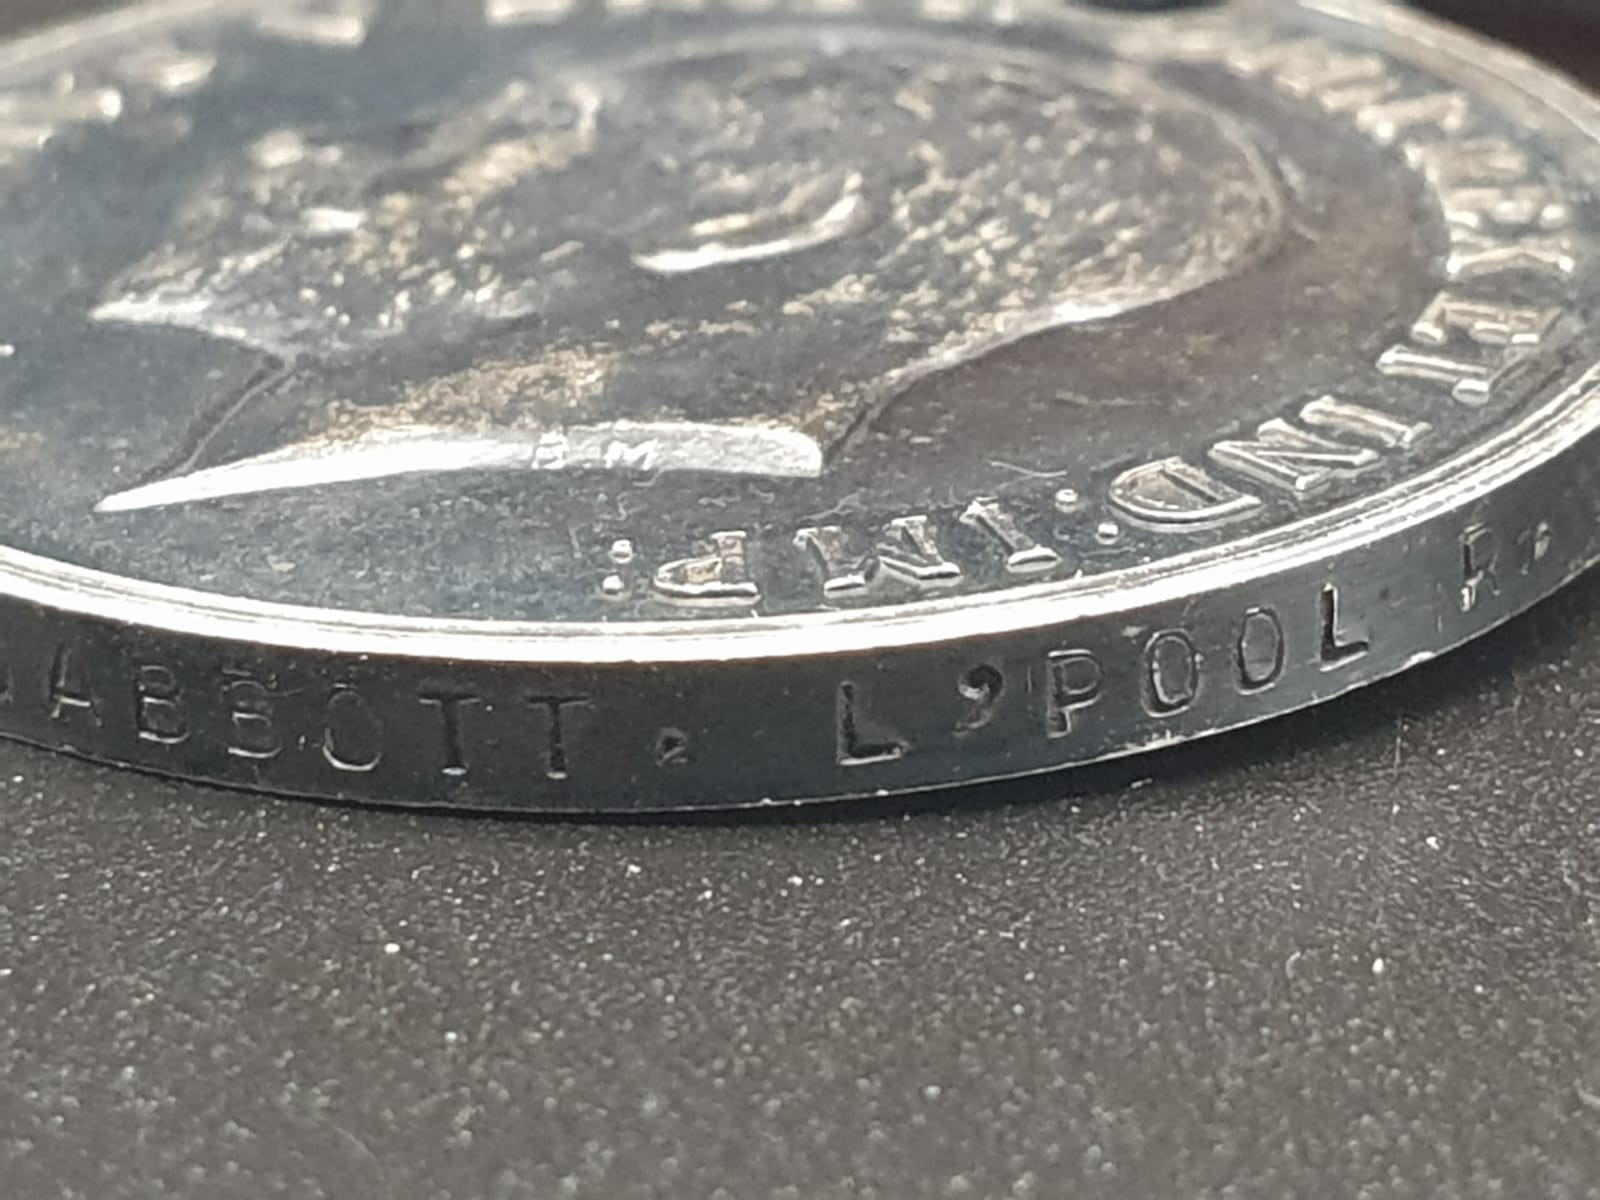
829 206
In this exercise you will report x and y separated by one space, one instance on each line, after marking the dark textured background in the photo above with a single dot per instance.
1355 953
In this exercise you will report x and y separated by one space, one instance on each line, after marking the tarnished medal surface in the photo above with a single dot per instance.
548 405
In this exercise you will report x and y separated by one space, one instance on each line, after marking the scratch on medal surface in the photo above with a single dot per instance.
266 377
1027 472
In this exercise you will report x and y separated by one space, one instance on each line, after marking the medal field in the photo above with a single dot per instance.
647 409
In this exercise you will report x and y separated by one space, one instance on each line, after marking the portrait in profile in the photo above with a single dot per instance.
712 257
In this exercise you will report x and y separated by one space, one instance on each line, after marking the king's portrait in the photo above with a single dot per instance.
721 257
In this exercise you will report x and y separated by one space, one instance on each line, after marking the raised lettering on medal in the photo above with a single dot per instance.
1470 344
1331 439
31 119
1292 459
166 69
1174 493
319 22
1501 213
909 548
843 574
1362 422
719 577
1024 556
528 12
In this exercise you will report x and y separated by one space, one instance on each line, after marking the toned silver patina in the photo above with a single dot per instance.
555 405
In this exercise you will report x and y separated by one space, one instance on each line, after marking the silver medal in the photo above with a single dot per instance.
557 406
